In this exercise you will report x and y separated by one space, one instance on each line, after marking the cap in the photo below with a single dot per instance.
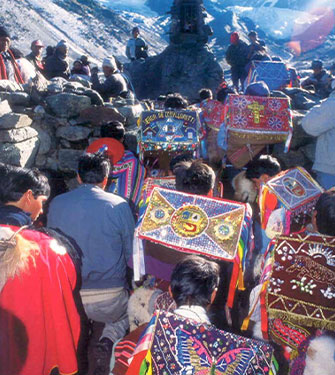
37 43
136 28
62 43
317 64
4 32
110 62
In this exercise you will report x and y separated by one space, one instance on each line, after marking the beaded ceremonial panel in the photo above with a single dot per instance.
181 346
169 130
302 283
296 189
193 223
258 120
274 74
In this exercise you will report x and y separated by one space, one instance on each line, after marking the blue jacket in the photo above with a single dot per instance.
103 226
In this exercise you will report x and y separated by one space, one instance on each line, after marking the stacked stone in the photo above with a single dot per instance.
19 142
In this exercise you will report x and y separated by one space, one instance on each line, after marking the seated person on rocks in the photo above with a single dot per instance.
39 322
86 65
320 80
35 56
136 47
115 83
257 48
78 69
102 225
58 64
259 171
320 122
8 67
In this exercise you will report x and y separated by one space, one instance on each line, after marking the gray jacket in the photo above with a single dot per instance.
102 225
320 122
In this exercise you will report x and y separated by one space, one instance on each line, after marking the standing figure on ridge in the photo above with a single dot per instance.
237 58
136 46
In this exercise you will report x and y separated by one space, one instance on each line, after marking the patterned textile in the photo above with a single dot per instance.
192 223
168 130
213 113
181 346
165 302
258 120
127 177
149 184
274 74
301 288
293 190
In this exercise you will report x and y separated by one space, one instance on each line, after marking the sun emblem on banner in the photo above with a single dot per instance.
189 221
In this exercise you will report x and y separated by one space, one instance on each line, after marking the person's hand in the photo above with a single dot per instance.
95 70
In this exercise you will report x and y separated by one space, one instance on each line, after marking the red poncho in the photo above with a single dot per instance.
39 322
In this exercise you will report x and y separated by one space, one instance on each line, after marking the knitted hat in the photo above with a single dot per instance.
258 89
4 32
234 38
110 62
62 43
317 64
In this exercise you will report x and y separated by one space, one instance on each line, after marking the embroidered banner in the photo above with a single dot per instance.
302 283
295 188
181 346
258 120
274 74
193 223
169 130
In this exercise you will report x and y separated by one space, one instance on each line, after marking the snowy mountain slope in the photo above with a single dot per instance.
89 27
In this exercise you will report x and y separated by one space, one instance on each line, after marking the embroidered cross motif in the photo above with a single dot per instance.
256 110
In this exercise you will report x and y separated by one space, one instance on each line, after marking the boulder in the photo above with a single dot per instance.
16 98
14 120
45 140
68 159
73 133
68 105
131 112
5 108
17 135
21 154
100 115
177 69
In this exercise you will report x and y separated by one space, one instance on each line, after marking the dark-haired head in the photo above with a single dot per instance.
205 94
325 213
179 158
193 281
260 170
94 168
194 177
175 101
24 188
113 129
222 94
15 181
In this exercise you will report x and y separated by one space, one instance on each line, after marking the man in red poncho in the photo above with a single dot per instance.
8 67
39 322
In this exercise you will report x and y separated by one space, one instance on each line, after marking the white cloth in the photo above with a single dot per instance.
196 313
320 122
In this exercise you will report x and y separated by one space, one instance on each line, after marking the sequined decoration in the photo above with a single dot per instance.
192 223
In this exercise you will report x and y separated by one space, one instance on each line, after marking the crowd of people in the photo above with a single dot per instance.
62 274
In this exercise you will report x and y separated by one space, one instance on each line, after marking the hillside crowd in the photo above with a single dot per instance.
90 282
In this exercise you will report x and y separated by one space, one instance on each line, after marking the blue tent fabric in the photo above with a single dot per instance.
274 74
